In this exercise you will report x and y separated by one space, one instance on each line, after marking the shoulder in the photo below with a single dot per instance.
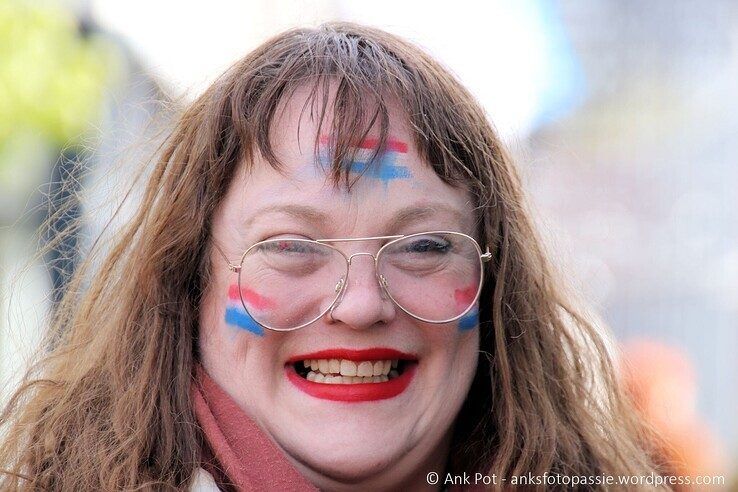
203 482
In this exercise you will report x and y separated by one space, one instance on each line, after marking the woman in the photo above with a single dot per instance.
332 281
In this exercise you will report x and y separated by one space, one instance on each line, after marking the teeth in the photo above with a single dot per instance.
365 369
353 370
348 368
330 379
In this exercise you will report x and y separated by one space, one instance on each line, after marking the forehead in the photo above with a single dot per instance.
295 130
398 181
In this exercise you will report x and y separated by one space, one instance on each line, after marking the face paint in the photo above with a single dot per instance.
470 320
250 297
463 298
466 296
237 316
385 169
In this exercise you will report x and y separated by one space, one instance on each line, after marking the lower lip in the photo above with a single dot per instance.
353 392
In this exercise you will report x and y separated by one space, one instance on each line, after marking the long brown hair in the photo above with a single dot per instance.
108 406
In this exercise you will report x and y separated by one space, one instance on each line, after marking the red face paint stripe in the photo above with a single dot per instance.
464 297
392 145
251 297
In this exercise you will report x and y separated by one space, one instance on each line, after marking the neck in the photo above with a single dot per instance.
406 473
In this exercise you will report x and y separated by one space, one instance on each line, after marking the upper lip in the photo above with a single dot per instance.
375 353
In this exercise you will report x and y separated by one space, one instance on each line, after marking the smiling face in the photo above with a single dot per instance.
400 424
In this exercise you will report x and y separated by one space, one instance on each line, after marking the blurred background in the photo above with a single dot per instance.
623 117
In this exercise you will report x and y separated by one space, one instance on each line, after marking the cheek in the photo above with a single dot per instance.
470 320
463 297
237 317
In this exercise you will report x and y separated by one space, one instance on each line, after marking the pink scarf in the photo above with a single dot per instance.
238 453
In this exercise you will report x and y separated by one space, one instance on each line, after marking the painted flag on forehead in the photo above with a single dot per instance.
388 165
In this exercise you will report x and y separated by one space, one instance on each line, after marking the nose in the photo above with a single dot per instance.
363 303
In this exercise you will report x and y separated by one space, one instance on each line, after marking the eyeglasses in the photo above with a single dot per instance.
288 283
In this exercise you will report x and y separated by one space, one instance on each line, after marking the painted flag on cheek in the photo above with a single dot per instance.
237 316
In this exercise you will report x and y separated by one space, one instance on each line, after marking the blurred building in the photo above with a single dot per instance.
638 183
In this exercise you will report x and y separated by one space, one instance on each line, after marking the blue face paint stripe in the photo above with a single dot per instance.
470 320
386 168
240 318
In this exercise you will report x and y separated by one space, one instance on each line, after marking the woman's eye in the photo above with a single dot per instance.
287 246
428 245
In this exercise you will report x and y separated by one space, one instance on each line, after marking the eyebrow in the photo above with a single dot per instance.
300 212
419 213
403 217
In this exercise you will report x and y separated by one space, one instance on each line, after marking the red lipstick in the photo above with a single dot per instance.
356 392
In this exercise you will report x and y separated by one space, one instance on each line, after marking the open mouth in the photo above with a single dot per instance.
343 371
352 375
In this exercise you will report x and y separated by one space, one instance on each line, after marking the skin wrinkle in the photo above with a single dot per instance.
404 218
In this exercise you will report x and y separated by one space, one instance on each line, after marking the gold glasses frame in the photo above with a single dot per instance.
342 284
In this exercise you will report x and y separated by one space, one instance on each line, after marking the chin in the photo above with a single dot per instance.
349 466
348 453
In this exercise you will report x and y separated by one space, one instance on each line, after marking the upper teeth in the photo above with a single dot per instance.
351 368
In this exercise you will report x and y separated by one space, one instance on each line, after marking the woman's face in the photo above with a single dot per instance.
381 435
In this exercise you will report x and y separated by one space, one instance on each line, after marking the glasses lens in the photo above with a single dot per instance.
287 283
434 276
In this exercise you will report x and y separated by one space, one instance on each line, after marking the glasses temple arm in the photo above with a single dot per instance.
486 256
231 266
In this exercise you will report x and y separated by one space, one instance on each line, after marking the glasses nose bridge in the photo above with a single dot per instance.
374 263
342 285
373 257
